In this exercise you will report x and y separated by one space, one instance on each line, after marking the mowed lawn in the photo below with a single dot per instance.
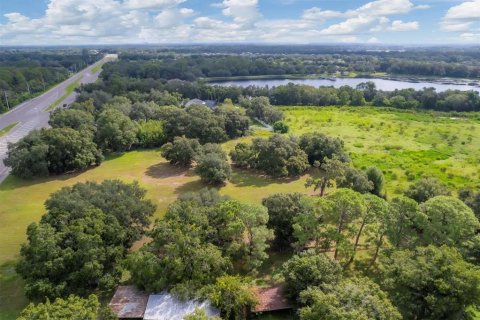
21 203
406 145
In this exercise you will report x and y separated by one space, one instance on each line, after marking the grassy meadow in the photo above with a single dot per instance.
405 145
22 203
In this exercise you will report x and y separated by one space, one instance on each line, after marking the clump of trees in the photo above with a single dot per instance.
211 161
427 188
260 108
182 151
277 156
233 296
212 165
52 151
73 307
431 282
81 134
355 298
81 239
202 237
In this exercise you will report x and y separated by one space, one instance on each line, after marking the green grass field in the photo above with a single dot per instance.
403 144
22 203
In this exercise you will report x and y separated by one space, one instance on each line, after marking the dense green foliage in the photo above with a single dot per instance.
72 118
77 245
319 146
277 156
182 151
426 188
310 269
200 239
72 308
431 282
282 209
272 60
52 151
351 299
115 131
232 296
471 199
213 168
260 108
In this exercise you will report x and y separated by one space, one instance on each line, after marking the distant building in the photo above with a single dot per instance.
212 104
130 303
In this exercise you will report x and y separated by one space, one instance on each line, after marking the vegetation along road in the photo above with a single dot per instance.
34 113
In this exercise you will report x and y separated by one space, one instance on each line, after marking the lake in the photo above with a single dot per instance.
382 84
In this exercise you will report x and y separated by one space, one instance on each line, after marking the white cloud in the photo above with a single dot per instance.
373 40
422 7
349 26
319 14
383 8
172 17
399 25
470 37
144 4
461 17
242 11
159 21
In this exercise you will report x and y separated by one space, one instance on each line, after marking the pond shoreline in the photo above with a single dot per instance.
400 78
384 83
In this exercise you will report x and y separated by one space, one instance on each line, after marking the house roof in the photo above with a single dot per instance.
271 299
129 302
195 102
164 306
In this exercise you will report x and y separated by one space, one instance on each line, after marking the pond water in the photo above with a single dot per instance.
382 84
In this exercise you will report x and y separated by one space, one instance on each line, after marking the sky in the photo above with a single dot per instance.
76 22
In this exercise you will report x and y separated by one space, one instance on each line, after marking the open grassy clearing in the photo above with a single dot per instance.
22 203
6 129
404 144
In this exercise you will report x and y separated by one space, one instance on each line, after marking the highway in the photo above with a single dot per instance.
32 114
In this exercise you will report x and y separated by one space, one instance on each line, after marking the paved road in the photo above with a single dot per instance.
31 114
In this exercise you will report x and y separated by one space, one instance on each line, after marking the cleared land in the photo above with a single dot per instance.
403 144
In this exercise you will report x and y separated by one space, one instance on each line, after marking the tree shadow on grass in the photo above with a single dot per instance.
250 178
12 296
166 170
192 186
13 182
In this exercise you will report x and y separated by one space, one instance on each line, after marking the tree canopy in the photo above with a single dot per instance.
77 245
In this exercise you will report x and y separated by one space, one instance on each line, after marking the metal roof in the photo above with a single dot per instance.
164 306
129 302
271 299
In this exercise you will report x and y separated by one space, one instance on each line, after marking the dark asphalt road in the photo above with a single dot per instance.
31 114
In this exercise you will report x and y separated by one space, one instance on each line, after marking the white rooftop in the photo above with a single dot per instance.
164 306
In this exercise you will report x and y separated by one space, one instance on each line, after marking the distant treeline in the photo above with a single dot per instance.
364 94
168 65
24 75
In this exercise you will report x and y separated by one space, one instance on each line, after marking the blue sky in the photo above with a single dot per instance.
53 22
